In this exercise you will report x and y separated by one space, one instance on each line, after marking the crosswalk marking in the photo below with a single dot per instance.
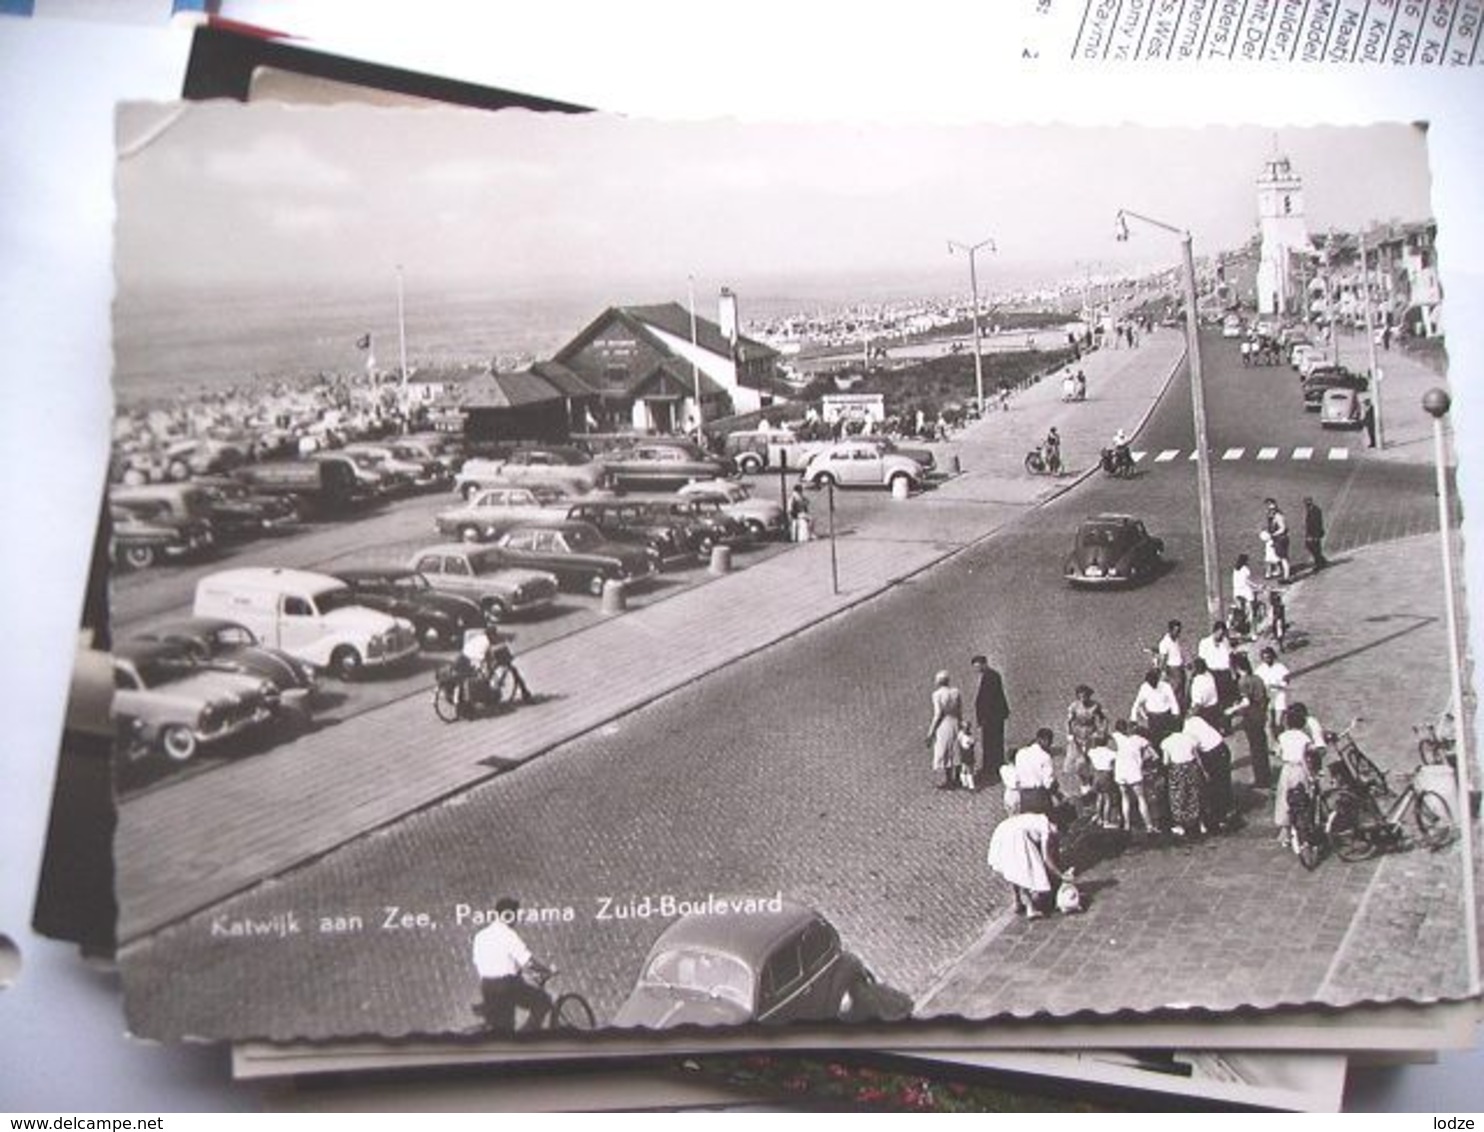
1236 455
1267 453
1233 453
1137 456
1167 455
1193 455
1339 453
1303 453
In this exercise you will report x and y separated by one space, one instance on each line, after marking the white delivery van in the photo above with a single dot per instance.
311 616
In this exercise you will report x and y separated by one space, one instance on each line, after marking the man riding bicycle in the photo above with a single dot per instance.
1121 458
492 662
1051 451
505 965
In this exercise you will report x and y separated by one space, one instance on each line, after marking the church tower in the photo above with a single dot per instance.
1280 217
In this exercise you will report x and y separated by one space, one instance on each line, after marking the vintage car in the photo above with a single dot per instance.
441 619
373 479
558 468
887 446
236 511
493 512
763 517
1342 408
1231 326
1113 549
219 643
145 532
652 466
423 473
1327 377
753 960
858 463
577 553
178 706
628 521
433 447
485 576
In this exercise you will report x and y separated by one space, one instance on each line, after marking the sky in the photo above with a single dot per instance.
226 195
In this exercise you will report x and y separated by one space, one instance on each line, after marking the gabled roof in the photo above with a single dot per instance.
671 318
568 382
674 372
504 391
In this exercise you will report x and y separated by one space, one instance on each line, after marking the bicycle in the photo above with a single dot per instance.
569 1011
462 692
1354 766
1436 742
1357 828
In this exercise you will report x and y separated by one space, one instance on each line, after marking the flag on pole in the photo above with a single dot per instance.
363 342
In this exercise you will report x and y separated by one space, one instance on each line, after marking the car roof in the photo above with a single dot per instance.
189 627
746 935
138 652
258 577
1109 517
372 573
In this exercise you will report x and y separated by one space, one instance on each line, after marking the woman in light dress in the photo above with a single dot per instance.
1022 850
942 732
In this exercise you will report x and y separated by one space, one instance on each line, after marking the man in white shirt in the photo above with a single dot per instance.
1275 676
1035 773
1171 652
1216 761
1155 706
1205 700
1216 651
503 960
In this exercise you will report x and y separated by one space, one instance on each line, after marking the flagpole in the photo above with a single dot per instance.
695 369
402 343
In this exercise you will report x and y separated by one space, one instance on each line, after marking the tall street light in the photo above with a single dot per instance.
1437 402
1370 340
954 245
1198 409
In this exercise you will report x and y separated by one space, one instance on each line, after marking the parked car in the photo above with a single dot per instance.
1341 408
1231 326
316 487
887 446
441 619
1113 549
1313 360
1324 378
227 645
852 463
423 473
627 521
313 616
486 577
178 706
236 511
438 447
577 553
494 511
658 467
559 468
143 533
375 476
755 450
763 517
778 961
1304 351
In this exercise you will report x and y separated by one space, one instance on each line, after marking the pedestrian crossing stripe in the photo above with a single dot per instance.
1302 453
1339 453
1167 455
1233 453
1137 456
1193 454
1267 453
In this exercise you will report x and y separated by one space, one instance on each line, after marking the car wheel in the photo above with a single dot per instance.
469 491
432 636
345 662
750 464
901 477
825 479
595 585
139 557
179 743
494 610
469 534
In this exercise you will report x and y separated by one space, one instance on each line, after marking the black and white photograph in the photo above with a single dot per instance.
579 573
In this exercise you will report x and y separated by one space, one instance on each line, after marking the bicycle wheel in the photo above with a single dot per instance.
444 705
1348 827
1309 855
571 1012
1434 820
1372 777
1432 752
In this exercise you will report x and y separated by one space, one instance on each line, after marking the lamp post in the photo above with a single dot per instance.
954 245
1436 402
1198 410
1370 339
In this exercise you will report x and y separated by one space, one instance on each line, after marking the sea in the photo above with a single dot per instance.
174 342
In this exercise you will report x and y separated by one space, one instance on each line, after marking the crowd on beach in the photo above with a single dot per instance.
1162 769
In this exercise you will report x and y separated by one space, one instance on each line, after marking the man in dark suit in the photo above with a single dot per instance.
991 710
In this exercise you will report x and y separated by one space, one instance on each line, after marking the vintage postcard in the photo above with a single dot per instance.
584 574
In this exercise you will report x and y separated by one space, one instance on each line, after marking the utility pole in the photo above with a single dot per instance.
972 249
1370 339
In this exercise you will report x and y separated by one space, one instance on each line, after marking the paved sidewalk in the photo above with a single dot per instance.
193 843
1404 379
1249 925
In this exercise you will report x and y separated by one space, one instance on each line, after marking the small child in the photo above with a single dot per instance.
1102 756
1272 565
1277 618
967 762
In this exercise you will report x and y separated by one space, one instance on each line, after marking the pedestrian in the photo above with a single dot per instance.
503 962
942 732
1205 700
1278 619
1184 780
1129 748
1368 420
1171 655
991 712
1215 758
1035 774
1314 535
1244 597
1271 567
1216 651
967 762
1155 707
798 514
1277 526
1085 720
1249 715
1022 850
1275 676
1102 755
1294 750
